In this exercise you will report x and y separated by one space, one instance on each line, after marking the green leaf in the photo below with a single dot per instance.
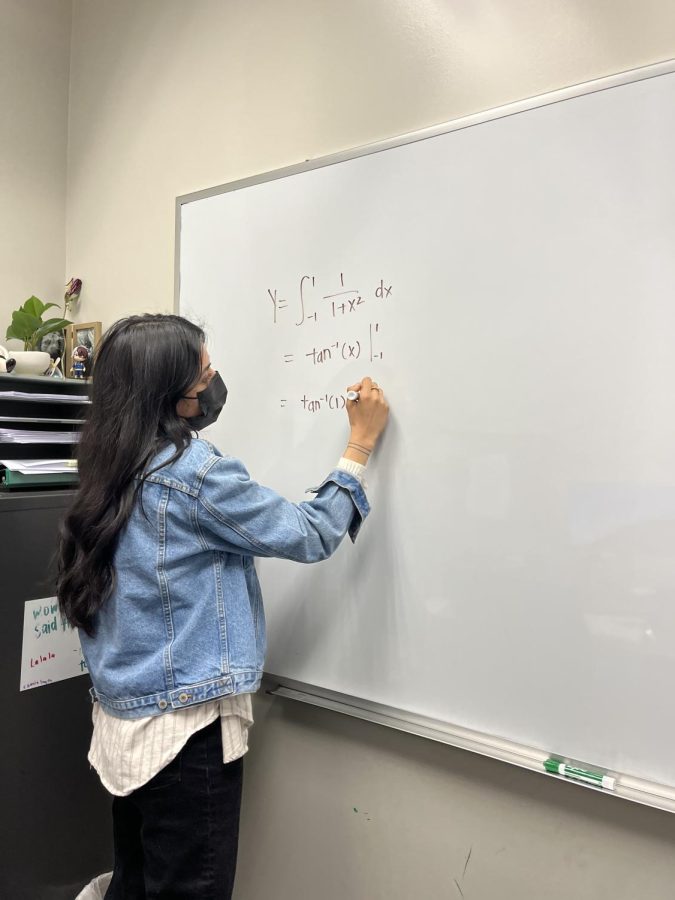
50 325
24 324
56 324
34 307
27 324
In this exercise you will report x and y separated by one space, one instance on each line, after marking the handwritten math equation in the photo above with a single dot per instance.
366 346
350 329
315 404
308 303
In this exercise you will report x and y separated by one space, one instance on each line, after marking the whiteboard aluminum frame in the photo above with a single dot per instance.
638 790
627 787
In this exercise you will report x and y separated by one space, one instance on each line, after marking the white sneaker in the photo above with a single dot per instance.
96 889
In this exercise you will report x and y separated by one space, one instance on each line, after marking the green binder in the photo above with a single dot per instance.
19 480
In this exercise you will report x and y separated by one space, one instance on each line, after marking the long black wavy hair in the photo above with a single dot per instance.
143 366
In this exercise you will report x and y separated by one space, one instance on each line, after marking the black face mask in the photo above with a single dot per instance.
211 401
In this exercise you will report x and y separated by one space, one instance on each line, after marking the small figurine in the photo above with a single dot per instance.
80 360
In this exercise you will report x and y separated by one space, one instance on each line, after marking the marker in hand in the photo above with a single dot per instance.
355 396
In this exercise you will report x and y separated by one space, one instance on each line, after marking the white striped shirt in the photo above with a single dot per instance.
127 753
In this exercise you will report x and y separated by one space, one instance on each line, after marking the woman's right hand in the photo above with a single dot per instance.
368 415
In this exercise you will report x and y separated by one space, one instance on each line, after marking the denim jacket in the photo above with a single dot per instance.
185 623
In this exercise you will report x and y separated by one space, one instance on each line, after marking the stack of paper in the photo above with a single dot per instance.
51 398
40 466
24 436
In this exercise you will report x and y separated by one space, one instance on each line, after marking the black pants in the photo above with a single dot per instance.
176 837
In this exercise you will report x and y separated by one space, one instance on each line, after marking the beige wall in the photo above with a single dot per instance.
168 97
34 67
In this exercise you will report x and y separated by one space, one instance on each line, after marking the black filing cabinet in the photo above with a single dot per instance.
55 829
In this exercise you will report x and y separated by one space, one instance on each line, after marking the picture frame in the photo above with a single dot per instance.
84 334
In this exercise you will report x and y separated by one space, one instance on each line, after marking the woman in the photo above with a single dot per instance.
156 570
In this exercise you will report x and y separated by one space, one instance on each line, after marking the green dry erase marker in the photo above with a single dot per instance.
598 779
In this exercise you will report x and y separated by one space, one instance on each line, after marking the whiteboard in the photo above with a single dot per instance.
510 280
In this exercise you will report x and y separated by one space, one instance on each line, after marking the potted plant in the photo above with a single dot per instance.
29 327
